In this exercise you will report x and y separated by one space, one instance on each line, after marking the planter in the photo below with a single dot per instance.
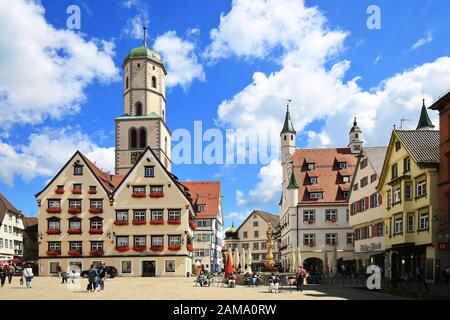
96 210
74 231
59 191
95 231
311 245
53 231
331 221
121 222
190 248
96 253
76 191
139 222
123 249
156 222
53 253
138 195
74 253
92 192
156 194
192 225
157 248
310 221
53 210
175 247
139 248
174 221
74 210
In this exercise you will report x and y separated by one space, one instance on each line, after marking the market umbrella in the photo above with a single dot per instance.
299 258
197 267
15 260
236 260
228 266
243 264
334 260
325 261
249 260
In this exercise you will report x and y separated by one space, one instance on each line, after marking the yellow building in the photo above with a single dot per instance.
409 186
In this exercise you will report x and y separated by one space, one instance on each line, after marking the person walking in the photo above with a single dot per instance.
28 275
92 278
102 274
2 275
10 272
301 278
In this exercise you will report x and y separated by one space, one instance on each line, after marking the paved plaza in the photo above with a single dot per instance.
121 288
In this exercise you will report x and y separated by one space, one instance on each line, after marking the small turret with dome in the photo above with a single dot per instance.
231 232
144 52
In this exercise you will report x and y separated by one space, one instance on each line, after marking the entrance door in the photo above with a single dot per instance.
148 268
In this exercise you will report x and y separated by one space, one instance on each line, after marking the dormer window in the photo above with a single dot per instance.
316 195
346 179
398 145
313 180
342 165
311 166
201 207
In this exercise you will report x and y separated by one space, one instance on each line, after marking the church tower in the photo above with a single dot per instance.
355 139
143 122
287 136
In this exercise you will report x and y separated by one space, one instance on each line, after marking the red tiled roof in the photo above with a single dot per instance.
30 221
117 179
103 177
207 193
5 205
327 172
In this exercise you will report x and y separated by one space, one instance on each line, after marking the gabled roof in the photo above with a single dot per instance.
30 221
423 145
207 193
102 177
268 217
441 102
169 174
375 156
5 206
326 171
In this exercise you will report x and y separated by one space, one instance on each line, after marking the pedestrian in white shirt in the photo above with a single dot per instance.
28 275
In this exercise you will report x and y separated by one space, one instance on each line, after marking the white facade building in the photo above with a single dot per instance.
11 231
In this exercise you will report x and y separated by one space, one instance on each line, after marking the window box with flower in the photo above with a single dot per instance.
156 194
96 210
53 210
190 248
139 222
59 190
53 231
121 222
157 248
175 247
174 221
139 248
96 253
138 195
311 221
53 253
74 253
331 220
74 231
96 231
156 222
74 210
76 191
122 248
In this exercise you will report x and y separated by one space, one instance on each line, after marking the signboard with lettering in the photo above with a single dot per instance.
371 247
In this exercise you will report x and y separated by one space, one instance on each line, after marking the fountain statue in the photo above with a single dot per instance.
269 257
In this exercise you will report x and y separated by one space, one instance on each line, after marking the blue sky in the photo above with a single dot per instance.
319 53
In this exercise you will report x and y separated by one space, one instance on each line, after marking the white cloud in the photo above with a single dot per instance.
47 151
237 216
134 26
422 41
179 56
45 70
313 77
130 3
267 190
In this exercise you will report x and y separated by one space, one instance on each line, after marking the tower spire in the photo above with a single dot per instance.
145 36
288 127
424 120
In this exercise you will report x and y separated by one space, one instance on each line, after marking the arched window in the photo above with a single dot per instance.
138 109
142 138
133 138
127 82
154 82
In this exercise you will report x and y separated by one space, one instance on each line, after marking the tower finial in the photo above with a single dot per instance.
145 36
354 122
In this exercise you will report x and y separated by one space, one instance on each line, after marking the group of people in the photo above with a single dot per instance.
274 280
96 277
8 271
